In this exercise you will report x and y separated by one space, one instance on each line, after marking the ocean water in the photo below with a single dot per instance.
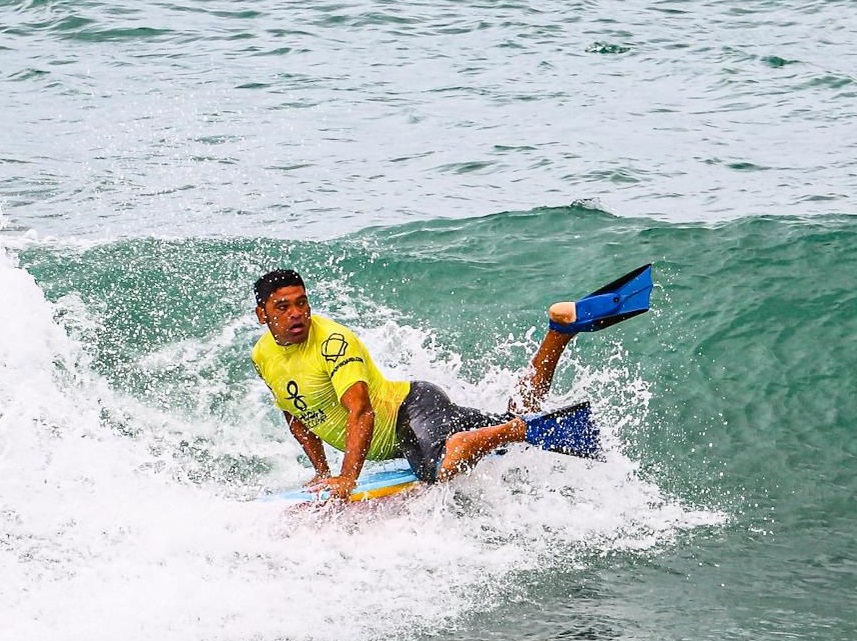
440 173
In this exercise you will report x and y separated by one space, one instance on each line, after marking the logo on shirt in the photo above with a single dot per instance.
294 395
334 347
314 418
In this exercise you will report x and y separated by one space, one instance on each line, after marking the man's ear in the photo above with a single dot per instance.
260 314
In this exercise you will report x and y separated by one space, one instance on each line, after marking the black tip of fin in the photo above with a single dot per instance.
620 283
632 291
603 323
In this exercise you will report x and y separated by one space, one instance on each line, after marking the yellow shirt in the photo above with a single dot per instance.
308 380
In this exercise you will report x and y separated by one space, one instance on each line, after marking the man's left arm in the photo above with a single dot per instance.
358 437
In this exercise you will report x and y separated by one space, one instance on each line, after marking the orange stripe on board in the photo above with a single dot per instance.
382 491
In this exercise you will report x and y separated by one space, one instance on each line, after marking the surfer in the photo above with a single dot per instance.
324 380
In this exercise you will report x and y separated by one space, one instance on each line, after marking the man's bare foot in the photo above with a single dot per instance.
563 313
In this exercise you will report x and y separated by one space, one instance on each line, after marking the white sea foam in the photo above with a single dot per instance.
104 536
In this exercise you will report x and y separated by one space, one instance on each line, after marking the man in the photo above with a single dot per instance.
325 382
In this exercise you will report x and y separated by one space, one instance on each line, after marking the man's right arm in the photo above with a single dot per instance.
313 446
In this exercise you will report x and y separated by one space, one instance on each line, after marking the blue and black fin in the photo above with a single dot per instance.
620 300
568 430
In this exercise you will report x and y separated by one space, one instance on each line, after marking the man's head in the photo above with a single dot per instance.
282 305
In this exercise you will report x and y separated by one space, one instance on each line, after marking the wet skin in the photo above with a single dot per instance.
287 314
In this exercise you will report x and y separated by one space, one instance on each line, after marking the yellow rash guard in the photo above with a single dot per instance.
309 378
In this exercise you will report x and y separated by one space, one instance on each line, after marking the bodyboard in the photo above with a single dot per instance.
396 476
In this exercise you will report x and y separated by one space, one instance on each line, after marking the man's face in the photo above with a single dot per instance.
287 314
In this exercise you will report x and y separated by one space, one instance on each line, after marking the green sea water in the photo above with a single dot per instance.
748 357
440 173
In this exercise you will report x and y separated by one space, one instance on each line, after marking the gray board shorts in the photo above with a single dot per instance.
426 419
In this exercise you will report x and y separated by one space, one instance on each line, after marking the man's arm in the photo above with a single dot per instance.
358 437
313 446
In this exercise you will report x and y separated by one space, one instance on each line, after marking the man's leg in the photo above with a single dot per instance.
464 449
536 382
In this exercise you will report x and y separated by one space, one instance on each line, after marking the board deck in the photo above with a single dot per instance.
394 477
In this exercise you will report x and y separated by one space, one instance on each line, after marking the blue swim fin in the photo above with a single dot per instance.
568 430
623 298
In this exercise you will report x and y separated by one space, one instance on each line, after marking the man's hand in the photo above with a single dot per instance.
340 486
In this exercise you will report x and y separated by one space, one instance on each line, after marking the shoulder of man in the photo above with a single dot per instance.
261 344
325 328
337 344
263 353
